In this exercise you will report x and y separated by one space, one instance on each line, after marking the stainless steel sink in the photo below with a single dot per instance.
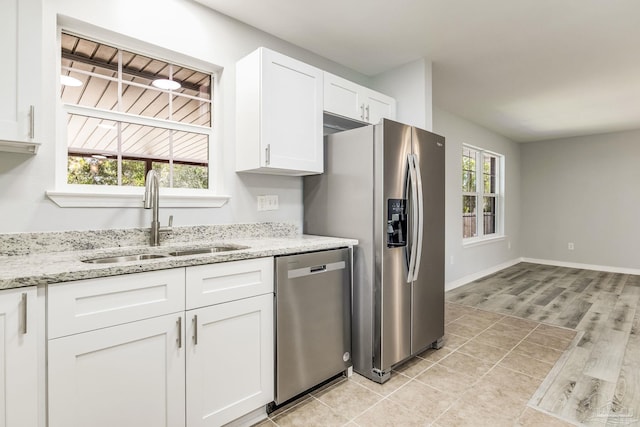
207 250
181 252
126 258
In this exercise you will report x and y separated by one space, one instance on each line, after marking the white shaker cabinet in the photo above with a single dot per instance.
117 351
279 103
229 360
20 86
230 349
166 348
18 358
128 375
345 98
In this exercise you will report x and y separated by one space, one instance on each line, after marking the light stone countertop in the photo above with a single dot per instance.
39 268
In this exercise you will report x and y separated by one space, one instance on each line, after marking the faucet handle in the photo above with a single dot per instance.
168 228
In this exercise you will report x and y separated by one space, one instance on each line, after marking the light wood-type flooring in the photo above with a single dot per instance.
597 380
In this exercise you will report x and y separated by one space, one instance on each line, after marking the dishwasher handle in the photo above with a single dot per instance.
316 269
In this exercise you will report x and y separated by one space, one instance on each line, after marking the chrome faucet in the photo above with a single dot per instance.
152 201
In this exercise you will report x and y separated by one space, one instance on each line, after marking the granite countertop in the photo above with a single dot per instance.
39 268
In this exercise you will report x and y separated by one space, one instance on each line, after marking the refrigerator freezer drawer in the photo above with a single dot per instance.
313 329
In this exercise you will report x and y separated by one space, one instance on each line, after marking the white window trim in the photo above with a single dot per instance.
80 196
499 235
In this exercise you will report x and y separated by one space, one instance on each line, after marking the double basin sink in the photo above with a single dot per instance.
176 253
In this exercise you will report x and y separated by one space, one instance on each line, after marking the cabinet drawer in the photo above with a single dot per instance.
218 283
97 303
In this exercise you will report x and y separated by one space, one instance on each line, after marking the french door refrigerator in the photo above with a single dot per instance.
384 185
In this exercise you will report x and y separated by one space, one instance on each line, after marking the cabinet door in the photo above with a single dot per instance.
229 360
18 358
348 99
20 89
291 114
343 97
378 107
130 375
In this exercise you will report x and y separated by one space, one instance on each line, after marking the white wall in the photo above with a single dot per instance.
175 25
411 85
468 261
583 190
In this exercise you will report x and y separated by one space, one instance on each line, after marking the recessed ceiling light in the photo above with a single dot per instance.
70 81
99 156
166 84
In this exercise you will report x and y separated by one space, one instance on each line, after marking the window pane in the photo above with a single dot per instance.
489 213
145 141
489 170
469 216
469 169
91 170
142 101
184 176
90 135
133 172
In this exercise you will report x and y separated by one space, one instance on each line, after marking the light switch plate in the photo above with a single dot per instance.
268 202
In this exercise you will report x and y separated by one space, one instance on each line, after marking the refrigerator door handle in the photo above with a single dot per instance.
420 226
414 220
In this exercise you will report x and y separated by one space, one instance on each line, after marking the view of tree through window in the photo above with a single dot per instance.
129 113
480 188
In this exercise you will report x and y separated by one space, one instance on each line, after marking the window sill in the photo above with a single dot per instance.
469 243
133 198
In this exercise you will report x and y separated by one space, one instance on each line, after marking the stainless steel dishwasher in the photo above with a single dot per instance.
313 320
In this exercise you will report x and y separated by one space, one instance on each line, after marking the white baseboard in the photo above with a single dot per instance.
475 276
606 268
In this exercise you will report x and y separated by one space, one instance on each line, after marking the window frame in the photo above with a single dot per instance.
480 195
79 195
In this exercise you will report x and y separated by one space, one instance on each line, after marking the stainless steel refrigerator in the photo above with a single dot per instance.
384 185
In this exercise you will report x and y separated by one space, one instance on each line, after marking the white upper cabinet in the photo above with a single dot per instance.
345 98
20 87
279 103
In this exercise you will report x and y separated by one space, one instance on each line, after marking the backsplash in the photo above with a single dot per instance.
62 241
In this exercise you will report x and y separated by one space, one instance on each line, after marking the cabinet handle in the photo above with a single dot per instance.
179 322
362 111
267 155
195 329
367 110
23 303
32 122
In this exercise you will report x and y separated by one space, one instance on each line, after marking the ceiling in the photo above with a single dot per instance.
528 69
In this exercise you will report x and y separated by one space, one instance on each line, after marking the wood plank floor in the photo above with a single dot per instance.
597 381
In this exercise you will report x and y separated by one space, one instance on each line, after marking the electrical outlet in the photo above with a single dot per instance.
451 260
509 244
267 202
570 246
262 203
272 202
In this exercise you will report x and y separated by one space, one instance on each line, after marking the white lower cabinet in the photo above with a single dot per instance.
128 375
18 358
229 360
124 352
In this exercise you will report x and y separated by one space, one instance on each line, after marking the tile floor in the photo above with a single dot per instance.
486 373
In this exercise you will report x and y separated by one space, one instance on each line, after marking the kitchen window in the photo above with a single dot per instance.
481 194
126 113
